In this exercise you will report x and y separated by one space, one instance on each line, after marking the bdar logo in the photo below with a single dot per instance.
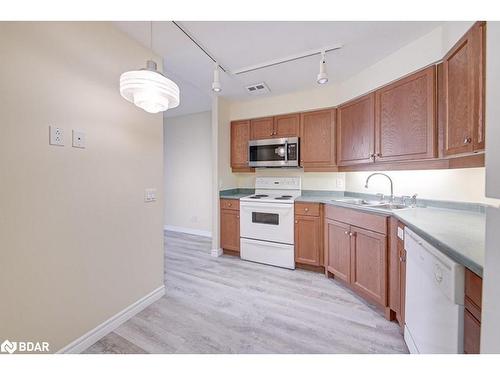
8 347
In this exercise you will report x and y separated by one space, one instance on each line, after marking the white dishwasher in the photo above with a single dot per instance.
434 308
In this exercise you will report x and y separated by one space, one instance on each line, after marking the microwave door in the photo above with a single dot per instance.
278 152
272 155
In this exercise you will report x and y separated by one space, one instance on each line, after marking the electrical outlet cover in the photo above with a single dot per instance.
79 140
56 136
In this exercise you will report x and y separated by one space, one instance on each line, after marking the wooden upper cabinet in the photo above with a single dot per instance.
356 131
405 118
368 264
463 93
286 125
338 249
262 128
317 139
240 134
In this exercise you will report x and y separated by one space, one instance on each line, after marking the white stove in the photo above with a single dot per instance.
267 221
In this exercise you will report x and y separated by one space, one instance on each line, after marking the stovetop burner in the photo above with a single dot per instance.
258 196
284 197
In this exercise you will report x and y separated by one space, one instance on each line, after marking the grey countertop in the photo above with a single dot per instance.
458 233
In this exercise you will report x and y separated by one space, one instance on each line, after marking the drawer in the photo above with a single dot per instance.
306 209
230 204
473 287
373 222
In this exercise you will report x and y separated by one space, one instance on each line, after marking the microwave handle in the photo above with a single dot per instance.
286 151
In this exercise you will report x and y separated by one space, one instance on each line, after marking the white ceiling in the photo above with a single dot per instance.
240 44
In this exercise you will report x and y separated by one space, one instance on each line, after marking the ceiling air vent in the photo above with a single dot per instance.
258 89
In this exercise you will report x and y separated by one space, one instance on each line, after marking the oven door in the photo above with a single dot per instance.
278 152
267 222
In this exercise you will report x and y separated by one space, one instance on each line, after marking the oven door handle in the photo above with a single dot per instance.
286 151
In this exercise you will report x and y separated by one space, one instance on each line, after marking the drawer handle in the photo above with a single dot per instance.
467 140
229 204
306 209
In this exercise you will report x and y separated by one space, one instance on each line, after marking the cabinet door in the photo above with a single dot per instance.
286 126
240 134
405 120
308 240
230 230
262 128
317 138
356 131
463 86
472 333
338 249
368 264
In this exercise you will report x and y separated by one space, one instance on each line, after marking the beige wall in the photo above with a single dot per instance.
462 185
227 179
77 242
465 185
188 171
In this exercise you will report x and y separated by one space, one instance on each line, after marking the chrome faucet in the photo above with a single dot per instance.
390 180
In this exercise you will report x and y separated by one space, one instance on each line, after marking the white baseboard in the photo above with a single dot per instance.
196 232
216 252
94 335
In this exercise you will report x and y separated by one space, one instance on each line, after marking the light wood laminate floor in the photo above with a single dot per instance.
226 305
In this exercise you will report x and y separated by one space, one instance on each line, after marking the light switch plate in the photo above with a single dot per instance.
79 140
149 195
56 136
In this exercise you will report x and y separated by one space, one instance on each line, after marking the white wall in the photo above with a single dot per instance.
188 172
310 180
226 179
490 324
77 242
462 185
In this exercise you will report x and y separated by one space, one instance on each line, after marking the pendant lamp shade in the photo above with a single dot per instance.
149 89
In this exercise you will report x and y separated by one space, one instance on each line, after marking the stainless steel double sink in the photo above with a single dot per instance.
371 203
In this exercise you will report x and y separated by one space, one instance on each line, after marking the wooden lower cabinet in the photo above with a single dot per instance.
230 226
368 264
397 272
472 333
338 249
308 234
355 255
472 313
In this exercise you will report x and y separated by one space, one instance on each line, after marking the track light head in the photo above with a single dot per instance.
216 86
322 75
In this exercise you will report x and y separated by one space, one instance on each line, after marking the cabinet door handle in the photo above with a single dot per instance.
379 155
351 234
467 140
237 216
296 221
306 209
229 204
346 232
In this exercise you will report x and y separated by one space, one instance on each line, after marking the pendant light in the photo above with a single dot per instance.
322 75
216 86
148 88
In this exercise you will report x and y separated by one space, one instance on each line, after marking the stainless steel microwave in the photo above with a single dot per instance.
275 152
